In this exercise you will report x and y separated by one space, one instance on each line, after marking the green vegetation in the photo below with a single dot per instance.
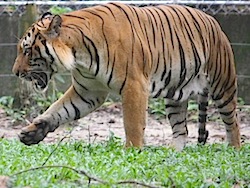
59 10
156 106
214 165
108 164
7 102
41 104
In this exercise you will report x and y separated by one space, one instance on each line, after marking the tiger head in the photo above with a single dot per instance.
37 59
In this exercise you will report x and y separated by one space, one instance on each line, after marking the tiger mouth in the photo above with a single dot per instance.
39 80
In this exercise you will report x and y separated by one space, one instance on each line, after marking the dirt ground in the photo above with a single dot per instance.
99 125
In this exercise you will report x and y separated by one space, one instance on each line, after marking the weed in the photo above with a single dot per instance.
214 165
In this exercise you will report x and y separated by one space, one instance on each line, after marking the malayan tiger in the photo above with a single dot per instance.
168 51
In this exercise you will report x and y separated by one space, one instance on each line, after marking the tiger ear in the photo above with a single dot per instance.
51 25
54 28
46 15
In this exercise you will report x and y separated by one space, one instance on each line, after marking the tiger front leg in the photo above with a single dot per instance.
72 106
135 103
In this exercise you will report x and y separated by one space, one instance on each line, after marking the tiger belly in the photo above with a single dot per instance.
190 87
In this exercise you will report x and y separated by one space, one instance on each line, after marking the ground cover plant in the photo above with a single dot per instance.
74 163
108 164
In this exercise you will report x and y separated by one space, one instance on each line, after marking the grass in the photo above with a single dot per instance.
214 165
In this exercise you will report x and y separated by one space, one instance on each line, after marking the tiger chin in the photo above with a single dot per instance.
167 51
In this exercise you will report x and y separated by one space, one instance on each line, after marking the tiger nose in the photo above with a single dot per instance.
17 73
15 70
20 74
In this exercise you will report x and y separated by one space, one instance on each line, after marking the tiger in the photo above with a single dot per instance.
163 51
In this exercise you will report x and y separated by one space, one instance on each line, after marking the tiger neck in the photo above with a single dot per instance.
79 45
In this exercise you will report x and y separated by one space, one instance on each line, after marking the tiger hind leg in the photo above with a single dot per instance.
226 104
202 103
177 112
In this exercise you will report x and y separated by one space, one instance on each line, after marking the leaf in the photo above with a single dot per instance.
59 78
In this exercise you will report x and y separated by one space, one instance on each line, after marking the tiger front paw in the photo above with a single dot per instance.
34 133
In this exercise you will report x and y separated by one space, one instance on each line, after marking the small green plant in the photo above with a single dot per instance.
59 10
157 107
240 101
45 101
19 115
6 102
108 164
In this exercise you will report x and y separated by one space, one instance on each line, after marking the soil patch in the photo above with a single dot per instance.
106 121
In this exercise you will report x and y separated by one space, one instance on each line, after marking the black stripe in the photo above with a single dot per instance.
218 67
228 100
198 27
143 29
171 114
187 82
90 53
87 77
228 124
125 79
34 41
77 111
59 115
167 80
109 10
227 113
96 54
179 122
169 25
153 87
105 38
73 52
172 105
180 95
203 106
40 55
158 62
158 93
91 101
163 39
202 118
149 15
111 73
80 84
171 92
47 51
74 16
190 34
84 100
182 62
66 109
197 59
179 134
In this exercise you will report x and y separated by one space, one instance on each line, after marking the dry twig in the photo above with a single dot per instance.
90 178
60 141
